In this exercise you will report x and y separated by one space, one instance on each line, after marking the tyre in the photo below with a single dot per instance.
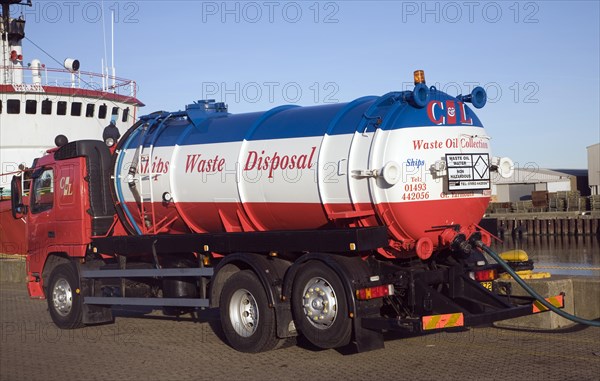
64 298
247 321
320 306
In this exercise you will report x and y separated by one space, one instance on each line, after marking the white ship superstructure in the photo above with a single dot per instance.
38 102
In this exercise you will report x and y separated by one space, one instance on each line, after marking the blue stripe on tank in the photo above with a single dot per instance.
287 122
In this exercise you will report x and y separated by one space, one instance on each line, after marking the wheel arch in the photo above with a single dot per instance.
53 260
346 268
270 271
349 270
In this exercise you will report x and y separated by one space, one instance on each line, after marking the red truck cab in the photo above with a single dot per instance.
60 217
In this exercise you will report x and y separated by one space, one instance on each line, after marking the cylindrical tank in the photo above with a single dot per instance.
415 161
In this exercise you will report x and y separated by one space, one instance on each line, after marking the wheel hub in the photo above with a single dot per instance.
320 303
243 312
62 297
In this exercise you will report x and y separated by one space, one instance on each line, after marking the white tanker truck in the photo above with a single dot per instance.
334 222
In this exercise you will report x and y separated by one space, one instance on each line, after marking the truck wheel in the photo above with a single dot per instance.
64 299
320 306
247 320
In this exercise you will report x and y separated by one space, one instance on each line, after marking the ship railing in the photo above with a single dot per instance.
65 78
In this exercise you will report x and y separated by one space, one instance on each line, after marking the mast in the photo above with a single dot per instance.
13 32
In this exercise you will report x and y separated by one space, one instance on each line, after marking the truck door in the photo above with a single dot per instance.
41 217
73 225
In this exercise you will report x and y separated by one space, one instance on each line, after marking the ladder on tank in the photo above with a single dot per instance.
144 177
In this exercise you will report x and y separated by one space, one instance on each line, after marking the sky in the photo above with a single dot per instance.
538 60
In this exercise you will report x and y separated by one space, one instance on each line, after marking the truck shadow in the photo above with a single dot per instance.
210 316
179 314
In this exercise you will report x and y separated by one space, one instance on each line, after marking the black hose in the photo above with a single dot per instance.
532 292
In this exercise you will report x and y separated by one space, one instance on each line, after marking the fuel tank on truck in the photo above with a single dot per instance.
415 161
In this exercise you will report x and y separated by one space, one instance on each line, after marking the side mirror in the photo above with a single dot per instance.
17 207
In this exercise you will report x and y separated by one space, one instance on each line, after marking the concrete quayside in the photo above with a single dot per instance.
547 223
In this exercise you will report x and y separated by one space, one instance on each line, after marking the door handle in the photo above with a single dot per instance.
51 234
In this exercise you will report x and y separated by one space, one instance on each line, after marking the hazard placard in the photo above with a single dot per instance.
468 171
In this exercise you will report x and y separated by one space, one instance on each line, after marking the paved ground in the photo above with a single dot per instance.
152 347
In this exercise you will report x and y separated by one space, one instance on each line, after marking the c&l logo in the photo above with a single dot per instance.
66 186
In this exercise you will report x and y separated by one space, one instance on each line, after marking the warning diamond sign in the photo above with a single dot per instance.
468 172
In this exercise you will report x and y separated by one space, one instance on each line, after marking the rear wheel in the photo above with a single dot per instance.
64 298
247 320
320 306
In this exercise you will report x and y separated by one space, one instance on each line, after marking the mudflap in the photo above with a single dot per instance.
285 326
366 339
35 290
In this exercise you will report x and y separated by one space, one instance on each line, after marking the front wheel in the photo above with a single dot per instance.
64 298
320 306
247 320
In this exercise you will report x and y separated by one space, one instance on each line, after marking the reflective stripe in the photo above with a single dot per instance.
556 301
443 321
